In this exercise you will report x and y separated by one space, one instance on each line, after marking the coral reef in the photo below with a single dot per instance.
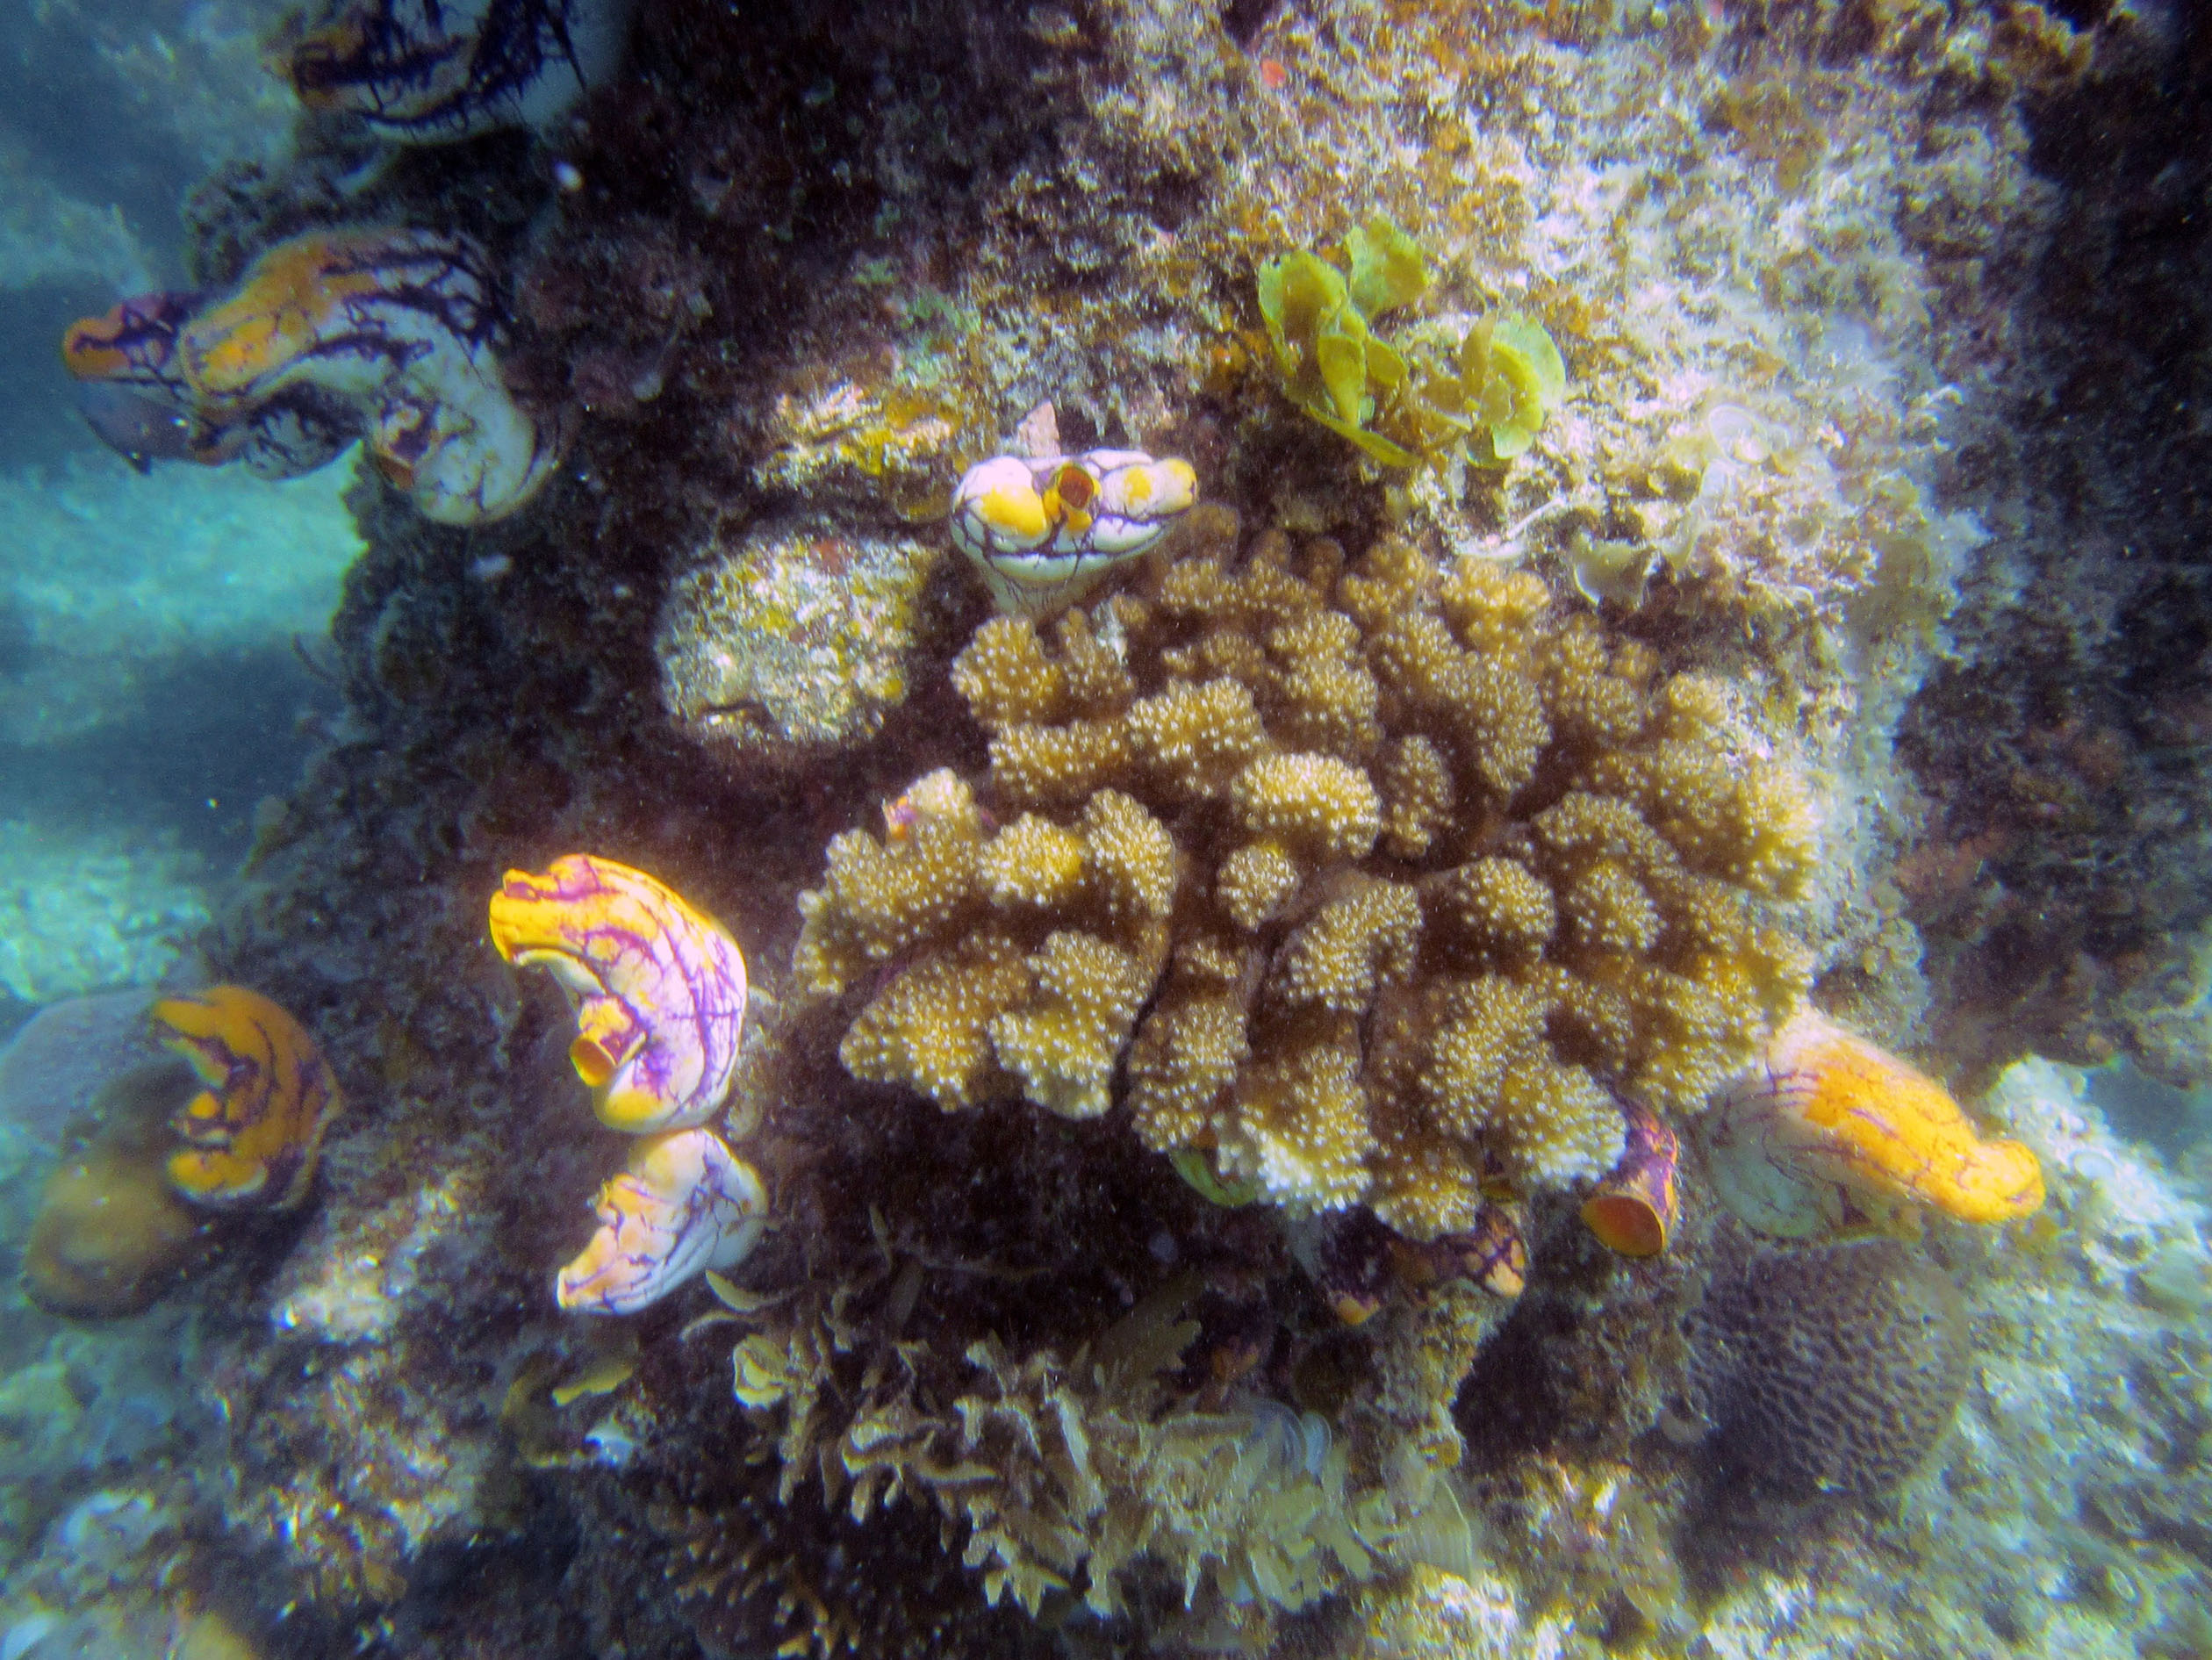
1832 1369
781 645
1352 991
1829 1132
254 1133
1078 1473
800 268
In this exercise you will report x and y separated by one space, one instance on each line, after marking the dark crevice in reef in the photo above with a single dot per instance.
2067 747
1243 19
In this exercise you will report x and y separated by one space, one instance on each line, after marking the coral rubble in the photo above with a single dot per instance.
1404 874
101 908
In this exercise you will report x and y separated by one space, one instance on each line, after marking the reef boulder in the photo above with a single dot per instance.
786 641
1831 1370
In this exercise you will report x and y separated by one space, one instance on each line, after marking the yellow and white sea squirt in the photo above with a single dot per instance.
398 325
1045 528
659 988
1832 1133
684 1205
254 1133
659 992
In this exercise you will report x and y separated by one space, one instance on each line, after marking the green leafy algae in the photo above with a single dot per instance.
1197 1169
1402 406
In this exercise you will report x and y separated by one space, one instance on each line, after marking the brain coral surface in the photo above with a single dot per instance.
1373 881
1834 1369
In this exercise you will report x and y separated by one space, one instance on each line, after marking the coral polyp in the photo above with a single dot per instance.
1833 1369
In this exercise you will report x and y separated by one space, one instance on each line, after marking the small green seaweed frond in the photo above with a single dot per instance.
1515 374
1198 1170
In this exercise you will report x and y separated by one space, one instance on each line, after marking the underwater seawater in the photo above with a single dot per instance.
1365 828
153 677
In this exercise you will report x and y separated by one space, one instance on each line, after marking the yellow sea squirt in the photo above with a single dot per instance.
255 1130
1831 1133
684 1203
659 988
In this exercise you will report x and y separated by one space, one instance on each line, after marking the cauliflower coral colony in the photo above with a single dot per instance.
1372 884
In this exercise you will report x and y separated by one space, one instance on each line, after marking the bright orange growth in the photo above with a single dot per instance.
1834 1121
659 988
255 1130
278 313
132 341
